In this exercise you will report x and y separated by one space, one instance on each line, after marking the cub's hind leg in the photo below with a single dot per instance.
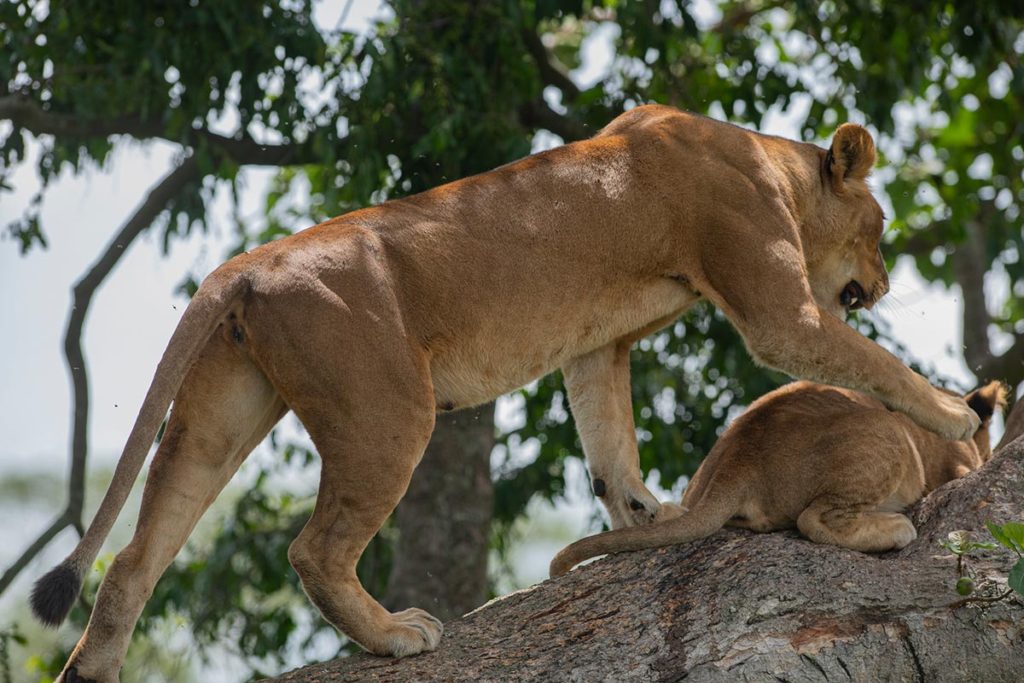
857 526
223 410
858 496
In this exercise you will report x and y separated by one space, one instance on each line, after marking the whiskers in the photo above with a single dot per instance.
898 304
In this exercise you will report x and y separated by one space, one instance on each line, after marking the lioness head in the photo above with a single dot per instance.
845 265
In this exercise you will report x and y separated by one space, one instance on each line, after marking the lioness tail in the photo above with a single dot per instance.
53 594
707 516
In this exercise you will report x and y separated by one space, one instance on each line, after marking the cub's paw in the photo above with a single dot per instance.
412 631
903 534
629 503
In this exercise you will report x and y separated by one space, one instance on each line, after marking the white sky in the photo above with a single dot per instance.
135 311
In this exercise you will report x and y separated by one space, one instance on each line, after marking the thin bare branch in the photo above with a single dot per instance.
156 201
58 525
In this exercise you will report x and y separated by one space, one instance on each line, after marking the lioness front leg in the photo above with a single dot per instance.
785 328
602 406
822 348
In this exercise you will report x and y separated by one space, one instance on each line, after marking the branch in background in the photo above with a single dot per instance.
156 201
62 522
1008 367
552 71
738 17
538 114
1014 426
969 267
26 113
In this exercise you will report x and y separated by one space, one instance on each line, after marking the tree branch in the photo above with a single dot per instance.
538 114
552 71
26 113
1014 425
738 17
969 266
58 525
745 606
155 203
1008 367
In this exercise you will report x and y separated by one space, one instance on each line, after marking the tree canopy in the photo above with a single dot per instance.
441 90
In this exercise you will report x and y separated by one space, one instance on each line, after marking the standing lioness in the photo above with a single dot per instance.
832 462
369 323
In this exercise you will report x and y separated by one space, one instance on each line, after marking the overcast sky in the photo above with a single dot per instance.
133 314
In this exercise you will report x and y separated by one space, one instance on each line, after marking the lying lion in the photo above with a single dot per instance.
834 463
369 323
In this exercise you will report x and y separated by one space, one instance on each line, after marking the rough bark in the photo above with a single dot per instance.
444 520
1014 425
741 606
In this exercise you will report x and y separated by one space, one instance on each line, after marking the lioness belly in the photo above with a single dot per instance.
517 346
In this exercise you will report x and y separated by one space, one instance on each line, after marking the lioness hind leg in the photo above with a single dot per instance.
223 410
855 526
361 386
368 460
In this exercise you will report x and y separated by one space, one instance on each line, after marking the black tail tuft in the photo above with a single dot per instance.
988 399
55 593
979 405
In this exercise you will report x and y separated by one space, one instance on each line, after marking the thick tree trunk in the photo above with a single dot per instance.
741 606
444 520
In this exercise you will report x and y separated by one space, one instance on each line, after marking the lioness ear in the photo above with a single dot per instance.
852 155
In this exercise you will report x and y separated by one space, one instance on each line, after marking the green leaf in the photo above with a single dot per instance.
1009 535
1016 578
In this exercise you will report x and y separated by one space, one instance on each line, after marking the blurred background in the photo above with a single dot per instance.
143 144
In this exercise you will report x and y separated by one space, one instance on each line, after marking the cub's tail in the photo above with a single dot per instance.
53 595
708 515
986 401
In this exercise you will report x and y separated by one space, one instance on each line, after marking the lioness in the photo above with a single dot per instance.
801 456
367 324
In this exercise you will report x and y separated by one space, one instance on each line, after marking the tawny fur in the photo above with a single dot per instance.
365 324
834 463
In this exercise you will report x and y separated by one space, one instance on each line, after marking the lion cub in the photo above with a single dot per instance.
835 463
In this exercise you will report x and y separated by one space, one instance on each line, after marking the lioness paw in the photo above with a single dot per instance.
412 631
628 503
669 511
960 422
